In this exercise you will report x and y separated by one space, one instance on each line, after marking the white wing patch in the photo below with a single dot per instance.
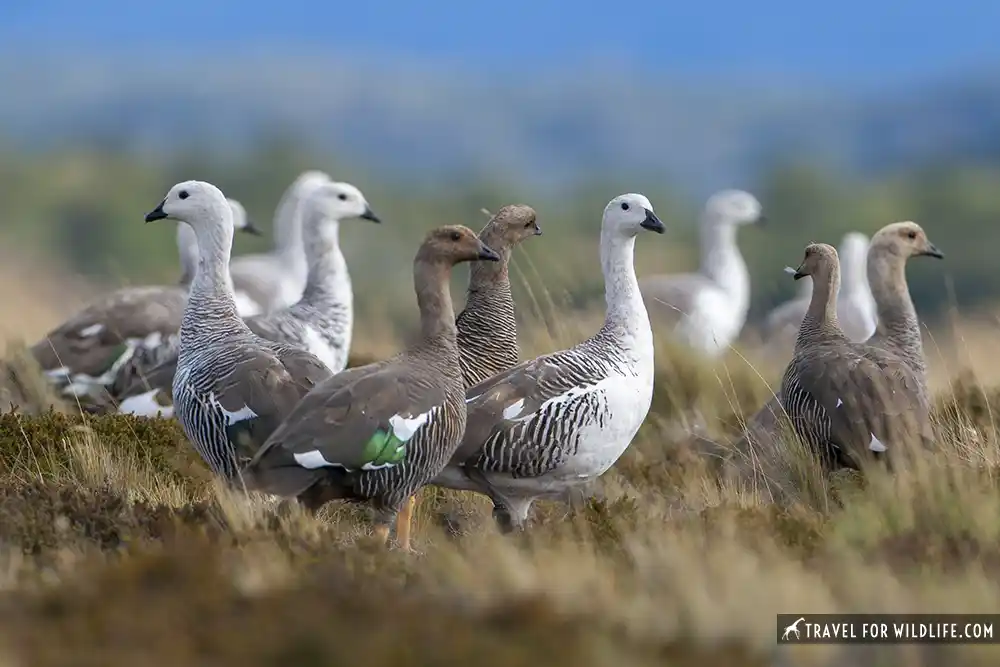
242 414
313 460
513 409
145 405
318 346
92 330
404 427
876 445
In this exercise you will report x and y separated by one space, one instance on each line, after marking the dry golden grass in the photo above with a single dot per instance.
117 548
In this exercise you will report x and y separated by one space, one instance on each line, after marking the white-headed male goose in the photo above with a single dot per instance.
276 279
232 388
321 322
378 433
897 326
83 355
707 310
549 424
846 400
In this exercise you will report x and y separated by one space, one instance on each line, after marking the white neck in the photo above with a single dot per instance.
626 312
722 262
187 249
288 231
328 279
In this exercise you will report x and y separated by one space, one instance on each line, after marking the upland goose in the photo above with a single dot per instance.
487 327
321 322
706 310
83 355
846 400
232 388
552 423
378 433
897 326
276 279
855 304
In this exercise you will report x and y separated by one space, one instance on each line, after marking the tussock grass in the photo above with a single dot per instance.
115 540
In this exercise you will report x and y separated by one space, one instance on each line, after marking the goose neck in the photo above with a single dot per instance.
621 288
327 277
437 313
720 260
211 306
821 316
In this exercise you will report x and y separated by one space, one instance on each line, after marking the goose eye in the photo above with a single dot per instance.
342 197
912 235
455 236
624 206
183 194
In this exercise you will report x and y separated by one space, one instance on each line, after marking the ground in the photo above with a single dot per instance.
118 548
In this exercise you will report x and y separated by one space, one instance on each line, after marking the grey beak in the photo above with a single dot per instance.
652 223
761 221
157 213
487 254
249 228
932 251
369 214
538 230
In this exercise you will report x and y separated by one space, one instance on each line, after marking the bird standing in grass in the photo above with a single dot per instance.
550 424
846 400
232 388
378 433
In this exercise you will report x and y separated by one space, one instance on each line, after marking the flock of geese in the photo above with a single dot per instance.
249 354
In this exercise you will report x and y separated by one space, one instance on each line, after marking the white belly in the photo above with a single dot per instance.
712 325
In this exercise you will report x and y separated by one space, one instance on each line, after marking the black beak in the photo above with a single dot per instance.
761 221
932 251
538 230
652 223
157 213
798 274
369 214
487 254
249 228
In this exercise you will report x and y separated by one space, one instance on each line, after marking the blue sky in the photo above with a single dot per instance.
863 40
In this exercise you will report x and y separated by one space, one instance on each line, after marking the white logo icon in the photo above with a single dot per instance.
794 627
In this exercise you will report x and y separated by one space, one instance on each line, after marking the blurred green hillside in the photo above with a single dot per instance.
83 209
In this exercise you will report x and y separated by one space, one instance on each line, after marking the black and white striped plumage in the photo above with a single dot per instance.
552 423
232 388
320 322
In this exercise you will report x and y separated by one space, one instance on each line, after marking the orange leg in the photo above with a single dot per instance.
404 521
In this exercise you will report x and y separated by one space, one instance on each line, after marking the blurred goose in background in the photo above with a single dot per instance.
276 279
706 310
232 388
82 356
855 303
321 322
378 433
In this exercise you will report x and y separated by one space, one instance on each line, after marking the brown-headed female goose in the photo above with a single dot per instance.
83 355
550 424
378 433
846 400
232 388
897 326
321 322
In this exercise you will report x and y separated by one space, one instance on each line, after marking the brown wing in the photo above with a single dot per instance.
359 424
92 340
270 382
513 394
